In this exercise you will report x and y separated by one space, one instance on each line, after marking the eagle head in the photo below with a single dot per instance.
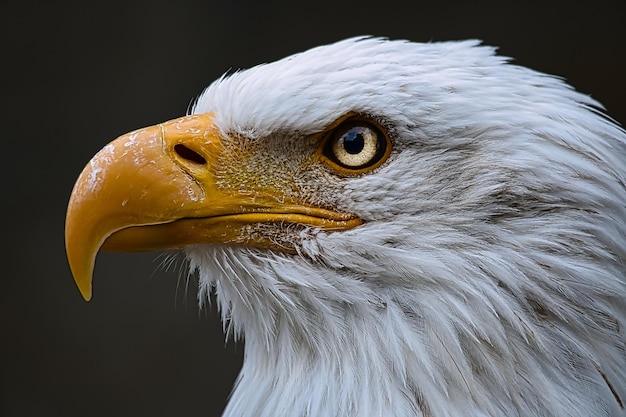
395 228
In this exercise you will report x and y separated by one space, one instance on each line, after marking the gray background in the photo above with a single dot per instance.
76 75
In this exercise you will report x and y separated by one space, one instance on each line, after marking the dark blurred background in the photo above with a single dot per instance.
76 75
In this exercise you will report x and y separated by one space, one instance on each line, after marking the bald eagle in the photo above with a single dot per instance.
395 228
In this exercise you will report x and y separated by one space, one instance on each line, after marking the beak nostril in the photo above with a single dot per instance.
189 154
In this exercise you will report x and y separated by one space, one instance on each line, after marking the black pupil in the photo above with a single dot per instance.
353 141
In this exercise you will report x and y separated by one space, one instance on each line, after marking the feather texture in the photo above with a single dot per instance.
489 278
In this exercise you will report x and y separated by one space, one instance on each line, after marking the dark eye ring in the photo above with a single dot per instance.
356 146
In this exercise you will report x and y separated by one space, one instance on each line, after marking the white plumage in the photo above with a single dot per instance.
489 275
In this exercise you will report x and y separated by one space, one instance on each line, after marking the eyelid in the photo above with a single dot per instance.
329 138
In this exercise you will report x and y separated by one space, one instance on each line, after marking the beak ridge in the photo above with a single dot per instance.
138 179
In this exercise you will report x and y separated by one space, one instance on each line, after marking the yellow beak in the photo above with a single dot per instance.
157 188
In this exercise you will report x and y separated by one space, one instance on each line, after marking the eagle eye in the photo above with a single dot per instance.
356 146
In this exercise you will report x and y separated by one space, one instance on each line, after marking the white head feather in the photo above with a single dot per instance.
489 278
